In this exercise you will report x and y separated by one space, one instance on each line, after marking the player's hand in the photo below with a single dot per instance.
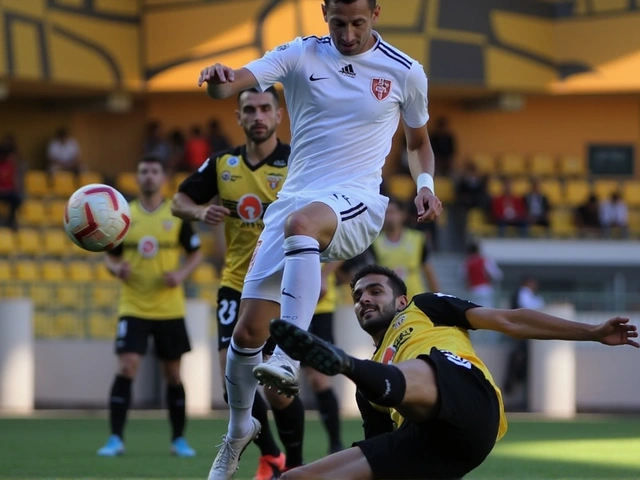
216 74
214 214
617 331
173 279
123 271
429 206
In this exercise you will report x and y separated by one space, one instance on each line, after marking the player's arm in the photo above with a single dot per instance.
224 82
524 323
116 264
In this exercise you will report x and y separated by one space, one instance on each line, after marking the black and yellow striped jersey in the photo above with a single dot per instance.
246 190
152 248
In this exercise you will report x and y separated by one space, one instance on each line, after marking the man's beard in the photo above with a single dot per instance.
259 138
381 321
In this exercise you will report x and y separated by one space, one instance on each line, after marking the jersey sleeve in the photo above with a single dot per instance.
374 421
189 239
276 64
445 309
202 185
415 106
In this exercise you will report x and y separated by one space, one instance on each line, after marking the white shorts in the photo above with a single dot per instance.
360 218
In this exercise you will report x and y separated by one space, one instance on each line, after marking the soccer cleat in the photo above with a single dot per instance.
180 448
270 467
112 448
309 349
231 449
279 372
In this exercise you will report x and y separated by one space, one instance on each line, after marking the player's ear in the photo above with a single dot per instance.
401 303
279 113
324 12
238 116
376 14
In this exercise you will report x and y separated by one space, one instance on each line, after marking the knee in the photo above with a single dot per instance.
298 223
247 336
173 377
295 474
128 367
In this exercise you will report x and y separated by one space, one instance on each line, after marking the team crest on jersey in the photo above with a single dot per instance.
380 88
274 181
225 176
167 225
233 161
249 208
398 322
148 246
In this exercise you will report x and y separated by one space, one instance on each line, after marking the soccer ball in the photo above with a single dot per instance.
97 217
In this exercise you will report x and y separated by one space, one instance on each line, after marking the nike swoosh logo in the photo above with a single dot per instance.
315 79
287 294
227 379
225 339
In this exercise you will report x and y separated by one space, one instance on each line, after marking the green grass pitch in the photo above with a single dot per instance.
64 448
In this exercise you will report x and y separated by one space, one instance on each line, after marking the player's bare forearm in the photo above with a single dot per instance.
421 159
183 207
191 262
113 263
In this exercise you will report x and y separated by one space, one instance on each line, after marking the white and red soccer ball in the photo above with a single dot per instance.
97 217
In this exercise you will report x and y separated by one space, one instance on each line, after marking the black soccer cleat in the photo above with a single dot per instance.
309 349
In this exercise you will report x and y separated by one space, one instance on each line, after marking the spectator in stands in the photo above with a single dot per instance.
10 184
155 144
471 188
217 139
509 210
588 217
197 149
63 153
537 205
443 143
177 147
614 214
480 273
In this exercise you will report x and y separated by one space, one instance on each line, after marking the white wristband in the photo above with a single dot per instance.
425 180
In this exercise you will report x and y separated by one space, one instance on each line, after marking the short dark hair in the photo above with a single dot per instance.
151 158
395 282
272 90
372 3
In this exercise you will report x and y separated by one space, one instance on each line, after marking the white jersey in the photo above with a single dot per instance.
344 110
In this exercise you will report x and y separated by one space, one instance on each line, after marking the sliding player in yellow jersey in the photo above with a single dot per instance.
431 409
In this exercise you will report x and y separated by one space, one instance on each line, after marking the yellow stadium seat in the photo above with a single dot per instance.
572 166
576 192
43 294
127 184
631 193
53 271
102 326
36 184
485 164
27 270
8 244
478 224
634 222
553 190
542 165
104 294
55 213
86 178
495 187
520 186
63 184
6 272
43 323
77 252
512 164
67 325
402 187
444 189
30 242
204 273
32 213
72 294
102 274
56 243
604 188
79 271
562 222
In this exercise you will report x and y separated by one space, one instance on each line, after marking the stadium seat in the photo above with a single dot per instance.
604 188
53 271
77 252
67 325
36 184
631 193
572 166
79 271
55 213
478 224
520 186
63 184
576 192
542 165
86 178
444 189
126 184
204 274
30 242
56 243
553 190
495 187
634 222
72 295
6 272
8 244
562 223
402 187
102 326
102 274
486 164
104 294
27 270
43 323
512 164
32 213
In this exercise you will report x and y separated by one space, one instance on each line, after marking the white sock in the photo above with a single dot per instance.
300 281
241 387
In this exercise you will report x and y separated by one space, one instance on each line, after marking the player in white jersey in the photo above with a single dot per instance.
346 94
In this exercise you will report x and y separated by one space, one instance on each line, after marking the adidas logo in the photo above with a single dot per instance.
348 71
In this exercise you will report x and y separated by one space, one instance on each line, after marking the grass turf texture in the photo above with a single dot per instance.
604 448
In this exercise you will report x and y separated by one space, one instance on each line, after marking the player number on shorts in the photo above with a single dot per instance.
122 328
453 358
227 311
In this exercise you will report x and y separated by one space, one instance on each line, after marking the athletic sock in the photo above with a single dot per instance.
381 384
176 405
119 402
290 423
330 415
241 387
265 441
